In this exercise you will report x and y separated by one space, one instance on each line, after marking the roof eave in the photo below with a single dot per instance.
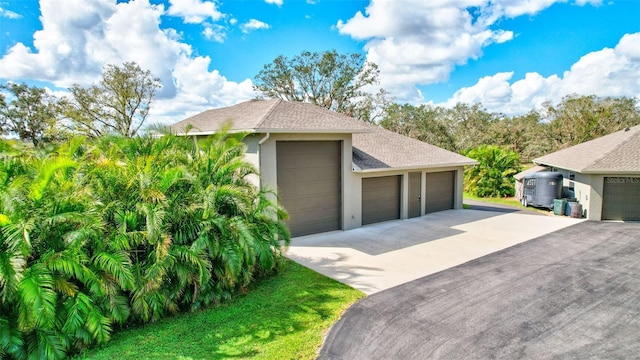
211 132
557 166
589 171
415 167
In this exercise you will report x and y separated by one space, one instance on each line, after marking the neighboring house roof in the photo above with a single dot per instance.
275 116
614 153
382 149
521 175
374 148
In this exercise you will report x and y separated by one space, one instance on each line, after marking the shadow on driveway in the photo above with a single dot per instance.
571 294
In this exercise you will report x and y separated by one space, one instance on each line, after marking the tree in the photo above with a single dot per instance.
493 176
32 114
118 104
525 134
469 124
577 119
334 81
422 122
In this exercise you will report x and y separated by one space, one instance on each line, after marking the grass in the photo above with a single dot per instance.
511 201
282 317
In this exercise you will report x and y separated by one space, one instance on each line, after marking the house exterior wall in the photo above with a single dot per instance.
588 191
263 157
404 188
252 155
351 187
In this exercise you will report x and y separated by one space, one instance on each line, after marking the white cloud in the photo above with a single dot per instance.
417 42
252 25
9 14
194 11
604 73
78 38
199 89
215 32
275 2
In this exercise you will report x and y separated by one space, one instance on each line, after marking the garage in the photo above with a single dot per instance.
309 185
621 198
440 192
380 199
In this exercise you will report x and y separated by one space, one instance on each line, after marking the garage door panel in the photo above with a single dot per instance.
621 198
307 161
440 195
297 176
380 199
324 203
309 185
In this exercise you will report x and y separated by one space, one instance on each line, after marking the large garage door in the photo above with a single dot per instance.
440 191
309 185
621 198
380 199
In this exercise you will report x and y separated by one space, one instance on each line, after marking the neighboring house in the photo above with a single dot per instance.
333 172
604 174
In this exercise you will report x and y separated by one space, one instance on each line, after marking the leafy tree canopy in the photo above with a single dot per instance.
337 82
582 118
118 104
30 112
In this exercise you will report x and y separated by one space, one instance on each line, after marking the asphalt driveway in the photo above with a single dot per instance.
570 294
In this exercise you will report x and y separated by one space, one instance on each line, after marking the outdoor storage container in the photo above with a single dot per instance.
576 210
559 206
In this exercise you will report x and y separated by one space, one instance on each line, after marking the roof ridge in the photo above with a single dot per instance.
614 148
269 111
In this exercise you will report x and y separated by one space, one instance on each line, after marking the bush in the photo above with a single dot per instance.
493 176
112 231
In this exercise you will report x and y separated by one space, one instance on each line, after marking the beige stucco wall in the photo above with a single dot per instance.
351 186
263 158
588 192
252 155
404 197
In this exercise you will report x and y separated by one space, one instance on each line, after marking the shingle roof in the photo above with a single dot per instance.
614 153
374 148
382 149
522 174
277 116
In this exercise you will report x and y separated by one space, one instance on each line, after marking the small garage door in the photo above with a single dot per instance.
309 183
621 198
440 191
380 199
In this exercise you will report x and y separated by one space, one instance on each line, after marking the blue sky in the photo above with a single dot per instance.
511 55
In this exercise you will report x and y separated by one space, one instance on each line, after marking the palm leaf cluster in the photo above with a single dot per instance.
493 176
96 234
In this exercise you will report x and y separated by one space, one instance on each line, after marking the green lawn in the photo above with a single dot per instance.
282 317
504 201
512 201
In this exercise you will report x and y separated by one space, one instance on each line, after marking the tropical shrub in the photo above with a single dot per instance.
493 176
99 233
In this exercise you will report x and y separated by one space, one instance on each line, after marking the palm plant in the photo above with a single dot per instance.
98 233
50 283
493 176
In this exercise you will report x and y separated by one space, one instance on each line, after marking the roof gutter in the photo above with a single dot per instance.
265 138
417 167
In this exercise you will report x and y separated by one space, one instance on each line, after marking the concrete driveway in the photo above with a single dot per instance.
572 294
381 256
